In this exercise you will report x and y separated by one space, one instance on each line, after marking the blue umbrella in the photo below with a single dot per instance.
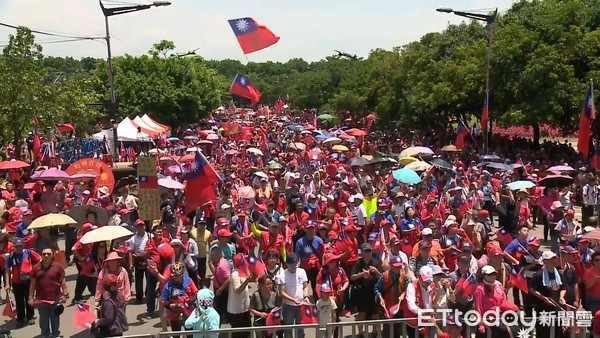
406 176
518 185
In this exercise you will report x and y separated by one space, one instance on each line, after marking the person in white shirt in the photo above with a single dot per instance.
137 243
359 210
422 300
326 307
292 284
590 200
238 302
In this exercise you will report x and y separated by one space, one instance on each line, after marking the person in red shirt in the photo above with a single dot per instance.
18 267
84 262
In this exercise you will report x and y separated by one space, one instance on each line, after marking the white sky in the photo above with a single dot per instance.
310 29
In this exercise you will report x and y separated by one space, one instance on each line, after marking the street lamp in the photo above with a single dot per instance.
112 11
489 19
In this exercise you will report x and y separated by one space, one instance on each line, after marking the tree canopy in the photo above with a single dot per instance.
545 52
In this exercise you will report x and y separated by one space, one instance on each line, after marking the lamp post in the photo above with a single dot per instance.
489 19
112 11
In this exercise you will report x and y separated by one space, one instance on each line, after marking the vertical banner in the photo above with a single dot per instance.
148 195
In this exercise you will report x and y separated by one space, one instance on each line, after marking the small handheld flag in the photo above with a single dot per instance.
83 316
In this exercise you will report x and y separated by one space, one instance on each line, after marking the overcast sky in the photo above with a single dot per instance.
310 29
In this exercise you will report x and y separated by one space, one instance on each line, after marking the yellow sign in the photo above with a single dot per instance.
148 199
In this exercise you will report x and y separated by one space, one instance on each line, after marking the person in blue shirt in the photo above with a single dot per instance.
310 249
205 317
22 231
410 221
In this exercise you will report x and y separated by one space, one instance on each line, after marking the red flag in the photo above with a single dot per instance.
308 314
485 113
467 285
65 127
10 309
273 319
200 179
588 114
251 36
256 266
518 280
242 86
36 139
462 132
83 316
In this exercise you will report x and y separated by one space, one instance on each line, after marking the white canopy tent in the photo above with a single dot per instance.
126 132
142 124
155 125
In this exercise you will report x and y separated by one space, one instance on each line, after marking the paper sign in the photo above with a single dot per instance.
146 166
148 199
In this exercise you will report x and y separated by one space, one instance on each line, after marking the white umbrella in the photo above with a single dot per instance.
212 137
155 151
332 141
170 184
51 220
255 151
105 233
261 174
192 150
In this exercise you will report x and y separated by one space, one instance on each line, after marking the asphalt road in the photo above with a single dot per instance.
138 323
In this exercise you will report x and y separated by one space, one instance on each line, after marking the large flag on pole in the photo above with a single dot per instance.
36 139
242 86
588 114
485 112
251 36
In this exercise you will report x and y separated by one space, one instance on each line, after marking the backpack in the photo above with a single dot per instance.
26 266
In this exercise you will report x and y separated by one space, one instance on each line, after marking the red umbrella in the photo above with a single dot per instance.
13 164
187 158
356 132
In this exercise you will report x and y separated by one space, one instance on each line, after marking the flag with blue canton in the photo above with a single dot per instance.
148 182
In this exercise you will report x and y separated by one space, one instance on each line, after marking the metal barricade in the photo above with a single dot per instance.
144 335
228 332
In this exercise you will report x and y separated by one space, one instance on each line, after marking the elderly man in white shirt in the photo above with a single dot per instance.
419 301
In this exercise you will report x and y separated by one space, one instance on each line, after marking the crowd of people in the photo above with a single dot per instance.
315 229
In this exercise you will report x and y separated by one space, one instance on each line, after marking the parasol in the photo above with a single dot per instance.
518 185
155 151
560 168
191 137
105 233
406 176
83 177
255 151
315 154
340 147
592 235
274 166
261 174
297 146
414 151
173 139
556 181
13 164
326 117
490 157
51 220
187 158
418 166
170 184
356 132
499 166
451 148
51 175
408 159
358 161
212 137
204 143
332 141
80 212
441 163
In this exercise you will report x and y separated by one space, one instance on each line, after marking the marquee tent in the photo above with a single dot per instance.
126 132
152 123
137 121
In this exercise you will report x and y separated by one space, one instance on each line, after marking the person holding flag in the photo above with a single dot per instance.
263 303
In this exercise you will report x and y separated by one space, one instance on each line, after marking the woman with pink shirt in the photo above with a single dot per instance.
546 201
490 296
112 265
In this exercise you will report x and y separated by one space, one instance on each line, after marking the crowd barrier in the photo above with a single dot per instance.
386 328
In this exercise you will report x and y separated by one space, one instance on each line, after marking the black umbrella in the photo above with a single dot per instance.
378 160
441 163
556 181
358 161
499 166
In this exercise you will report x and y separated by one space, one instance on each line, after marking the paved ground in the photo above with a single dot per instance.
138 324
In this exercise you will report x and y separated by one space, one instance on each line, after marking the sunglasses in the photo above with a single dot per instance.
46 254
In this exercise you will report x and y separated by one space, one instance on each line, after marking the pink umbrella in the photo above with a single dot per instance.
247 192
51 175
83 177
212 137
